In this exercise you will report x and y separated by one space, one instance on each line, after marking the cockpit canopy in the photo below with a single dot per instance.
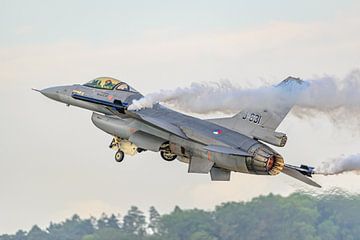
108 83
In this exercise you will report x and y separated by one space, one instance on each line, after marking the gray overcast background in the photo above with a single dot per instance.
54 162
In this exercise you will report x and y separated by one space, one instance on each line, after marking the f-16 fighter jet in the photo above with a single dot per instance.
216 146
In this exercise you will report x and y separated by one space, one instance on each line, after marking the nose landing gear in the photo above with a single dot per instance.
119 156
122 147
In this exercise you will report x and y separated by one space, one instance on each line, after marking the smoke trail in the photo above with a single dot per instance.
221 97
340 165
338 98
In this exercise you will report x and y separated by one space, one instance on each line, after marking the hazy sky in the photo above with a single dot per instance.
54 162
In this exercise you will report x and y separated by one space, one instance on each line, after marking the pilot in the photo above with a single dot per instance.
108 84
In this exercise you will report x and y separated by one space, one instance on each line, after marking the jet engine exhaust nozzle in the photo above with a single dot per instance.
265 162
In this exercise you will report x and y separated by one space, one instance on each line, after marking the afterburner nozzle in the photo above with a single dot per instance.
265 162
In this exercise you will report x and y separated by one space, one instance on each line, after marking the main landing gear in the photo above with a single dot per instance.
125 147
166 153
168 156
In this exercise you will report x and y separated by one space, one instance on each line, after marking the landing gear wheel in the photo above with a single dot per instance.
119 156
168 156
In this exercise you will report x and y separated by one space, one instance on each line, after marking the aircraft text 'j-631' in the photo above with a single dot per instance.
216 146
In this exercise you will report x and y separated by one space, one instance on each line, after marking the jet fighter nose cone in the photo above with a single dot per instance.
52 93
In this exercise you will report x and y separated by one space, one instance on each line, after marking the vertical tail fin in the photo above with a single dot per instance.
261 120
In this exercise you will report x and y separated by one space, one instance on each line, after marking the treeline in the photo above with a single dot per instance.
299 216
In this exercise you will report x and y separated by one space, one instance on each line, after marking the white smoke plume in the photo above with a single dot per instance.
329 95
215 97
340 165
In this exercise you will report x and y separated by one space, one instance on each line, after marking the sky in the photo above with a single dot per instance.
54 162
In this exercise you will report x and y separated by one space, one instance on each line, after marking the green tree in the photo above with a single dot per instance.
102 222
7 237
134 222
201 236
108 222
271 217
72 229
154 219
298 216
327 230
89 237
37 234
113 222
20 235
182 224
111 234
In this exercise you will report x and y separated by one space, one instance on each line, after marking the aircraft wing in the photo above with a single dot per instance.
119 109
163 125
300 173
158 123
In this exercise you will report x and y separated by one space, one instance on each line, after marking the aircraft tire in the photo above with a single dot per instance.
119 156
168 156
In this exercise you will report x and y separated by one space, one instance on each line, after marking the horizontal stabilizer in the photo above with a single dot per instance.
303 169
227 150
301 175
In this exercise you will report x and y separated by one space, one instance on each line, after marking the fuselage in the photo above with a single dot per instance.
216 146
186 135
